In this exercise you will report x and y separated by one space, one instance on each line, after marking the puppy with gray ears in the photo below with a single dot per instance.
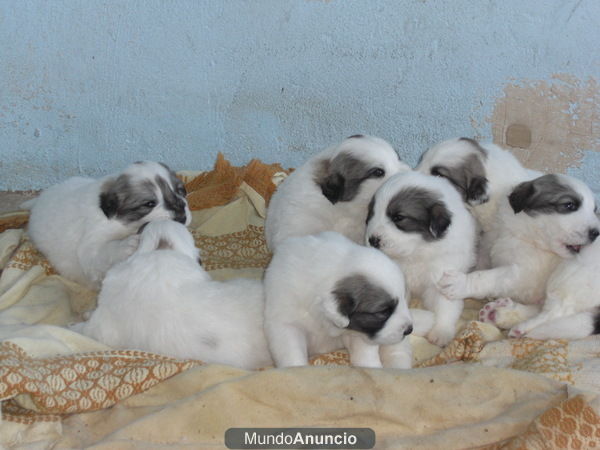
324 292
481 172
331 191
161 300
84 225
421 223
542 222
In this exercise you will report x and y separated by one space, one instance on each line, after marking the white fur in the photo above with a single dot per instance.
423 262
299 207
524 251
68 226
301 313
572 299
163 301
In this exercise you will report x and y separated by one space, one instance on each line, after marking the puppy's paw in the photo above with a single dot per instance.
453 284
502 312
440 336
516 333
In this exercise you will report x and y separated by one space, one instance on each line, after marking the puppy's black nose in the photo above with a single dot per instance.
408 330
180 217
375 241
593 233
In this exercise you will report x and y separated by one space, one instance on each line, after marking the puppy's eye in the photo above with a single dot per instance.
570 206
181 191
378 173
436 173
398 217
150 204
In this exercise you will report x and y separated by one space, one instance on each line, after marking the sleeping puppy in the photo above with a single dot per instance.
571 309
421 223
324 292
161 300
331 190
84 226
482 173
540 223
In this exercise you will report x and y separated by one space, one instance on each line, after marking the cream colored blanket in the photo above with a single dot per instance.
60 389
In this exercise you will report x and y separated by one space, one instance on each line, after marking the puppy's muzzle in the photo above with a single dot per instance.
374 241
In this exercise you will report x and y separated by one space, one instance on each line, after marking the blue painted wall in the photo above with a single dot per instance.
87 86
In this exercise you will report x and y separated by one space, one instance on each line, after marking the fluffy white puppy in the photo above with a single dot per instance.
571 309
541 222
324 292
421 223
84 225
161 300
331 190
483 173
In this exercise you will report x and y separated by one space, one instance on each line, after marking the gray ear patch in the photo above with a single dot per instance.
416 210
544 195
174 201
341 177
468 177
367 305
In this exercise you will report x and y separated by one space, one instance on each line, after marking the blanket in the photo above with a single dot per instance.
60 389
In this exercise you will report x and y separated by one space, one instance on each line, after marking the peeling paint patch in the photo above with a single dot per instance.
549 124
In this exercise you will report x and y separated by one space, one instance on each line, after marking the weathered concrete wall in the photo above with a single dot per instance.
87 86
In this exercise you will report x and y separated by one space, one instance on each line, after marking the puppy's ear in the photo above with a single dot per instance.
476 190
331 184
333 187
109 200
521 195
335 310
439 220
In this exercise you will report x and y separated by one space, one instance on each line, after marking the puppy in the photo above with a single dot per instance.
331 190
421 223
482 173
161 300
84 226
324 292
571 309
541 222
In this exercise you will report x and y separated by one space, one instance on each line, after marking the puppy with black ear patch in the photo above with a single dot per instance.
161 300
481 172
331 191
84 225
541 223
421 223
324 292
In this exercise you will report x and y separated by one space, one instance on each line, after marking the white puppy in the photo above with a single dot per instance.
421 222
324 292
571 309
331 190
541 222
481 172
161 300
84 226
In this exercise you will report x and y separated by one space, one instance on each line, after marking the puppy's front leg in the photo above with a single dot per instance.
361 353
447 312
397 356
497 282
288 345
